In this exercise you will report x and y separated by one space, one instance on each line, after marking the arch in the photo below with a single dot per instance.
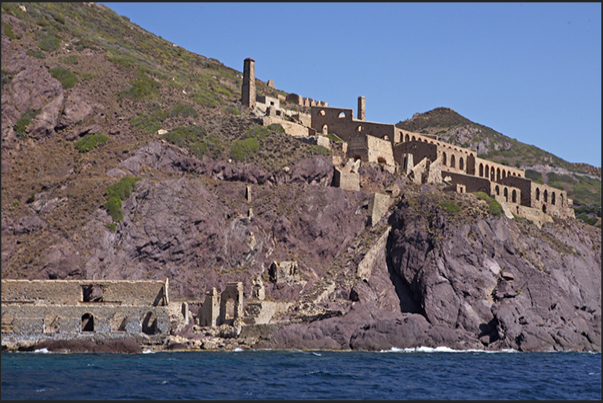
544 208
341 115
487 172
357 157
506 194
118 322
553 198
359 129
504 174
407 137
561 199
492 173
546 196
537 194
481 169
461 164
452 161
497 190
87 322
325 129
51 323
444 159
381 160
413 138
514 196
322 112
149 323
497 174
386 137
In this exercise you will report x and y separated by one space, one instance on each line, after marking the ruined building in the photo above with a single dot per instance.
83 309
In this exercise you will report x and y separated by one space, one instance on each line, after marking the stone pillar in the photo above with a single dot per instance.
361 109
248 89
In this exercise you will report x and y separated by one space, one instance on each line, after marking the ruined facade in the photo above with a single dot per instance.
222 308
83 309
248 96
428 160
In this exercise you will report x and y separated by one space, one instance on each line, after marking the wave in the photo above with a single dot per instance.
148 351
42 351
443 349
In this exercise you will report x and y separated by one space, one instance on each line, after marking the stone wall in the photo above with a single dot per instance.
378 206
365 267
341 122
291 128
370 149
472 183
72 292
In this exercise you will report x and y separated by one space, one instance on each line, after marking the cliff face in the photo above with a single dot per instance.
472 282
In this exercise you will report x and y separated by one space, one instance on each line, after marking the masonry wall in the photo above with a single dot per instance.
503 193
370 149
341 122
472 184
494 171
70 292
418 149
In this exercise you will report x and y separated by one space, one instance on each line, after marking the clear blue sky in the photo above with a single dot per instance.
531 71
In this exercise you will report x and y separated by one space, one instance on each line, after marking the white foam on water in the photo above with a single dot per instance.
318 354
237 349
441 349
148 352
42 351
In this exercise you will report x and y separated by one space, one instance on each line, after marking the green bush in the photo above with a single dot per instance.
8 31
333 137
143 87
149 123
450 207
6 77
66 77
275 127
24 121
183 110
240 150
49 44
257 132
37 53
232 110
316 149
71 59
534 176
587 219
89 141
185 136
118 192
556 185
494 207
112 227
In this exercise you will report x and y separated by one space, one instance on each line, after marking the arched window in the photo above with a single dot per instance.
407 137
544 208
381 160
322 112
553 198
487 172
546 196
481 170
359 129
413 138
504 174
497 190
461 164
87 322
506 194
561 197
444 159
342 115
325 129
537 194
149 323
452 161
498 174
514 196
492 174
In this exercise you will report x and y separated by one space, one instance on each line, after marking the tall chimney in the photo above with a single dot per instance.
361 109
248 89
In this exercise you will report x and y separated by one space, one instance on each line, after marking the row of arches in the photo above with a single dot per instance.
453 161
408 137
545 195
118 323
506 193
494 174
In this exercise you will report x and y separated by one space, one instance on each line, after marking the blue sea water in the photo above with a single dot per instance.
243 375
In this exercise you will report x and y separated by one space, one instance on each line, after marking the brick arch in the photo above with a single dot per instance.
514 196
487 172
481 169
497 190
461 164
452 161
407 137
444 159
506 194
498 174
492 174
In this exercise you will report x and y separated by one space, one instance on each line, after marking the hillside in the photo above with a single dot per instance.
125 156
581 181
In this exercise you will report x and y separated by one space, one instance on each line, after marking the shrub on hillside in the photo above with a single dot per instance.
21 125
494 207
257 132
37 53
118 192
66 77
89 141
275 127
183 110
450 207
143 87
240 150
321 150
49 44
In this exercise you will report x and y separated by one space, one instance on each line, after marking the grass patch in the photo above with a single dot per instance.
118 192
494 207
112 226
90 141
24 121
587 219
71 59
183 110
321 150
275 127
6 77
232 110
534 176
333 137
143 87
240 150
185 136
49 44
257 132
66 77
450 207
8 31
37 53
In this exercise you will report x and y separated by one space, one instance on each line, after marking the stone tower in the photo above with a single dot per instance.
248 89
361 109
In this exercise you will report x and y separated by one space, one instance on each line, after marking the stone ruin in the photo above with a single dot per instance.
216 311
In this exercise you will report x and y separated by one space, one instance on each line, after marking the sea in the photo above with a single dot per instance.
398 374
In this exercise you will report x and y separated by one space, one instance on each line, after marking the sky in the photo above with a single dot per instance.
531 71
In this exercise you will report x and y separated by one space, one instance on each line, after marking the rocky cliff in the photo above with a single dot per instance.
422 275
